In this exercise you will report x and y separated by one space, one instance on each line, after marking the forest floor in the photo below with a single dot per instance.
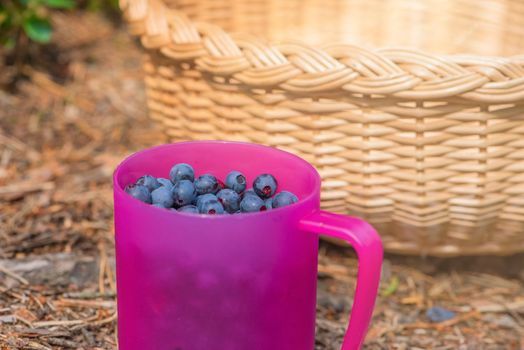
60 140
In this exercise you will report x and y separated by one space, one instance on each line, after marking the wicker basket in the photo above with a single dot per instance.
429 148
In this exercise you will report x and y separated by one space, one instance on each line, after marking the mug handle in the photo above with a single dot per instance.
368 246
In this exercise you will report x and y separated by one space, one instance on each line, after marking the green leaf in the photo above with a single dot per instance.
60 4
392 287
38 29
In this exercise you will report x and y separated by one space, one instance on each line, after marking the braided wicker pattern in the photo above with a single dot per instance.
430 149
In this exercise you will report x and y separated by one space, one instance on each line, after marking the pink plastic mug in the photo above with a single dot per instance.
230 282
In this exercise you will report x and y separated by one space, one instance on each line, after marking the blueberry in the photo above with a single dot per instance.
265 185
252 204
249 192
159 205
139 192
269 203
210 205
439 314
236 181
206 184
182 171
165 182
205 197
284 198
183 193
229 199
188 209
162 196
194 202
149 181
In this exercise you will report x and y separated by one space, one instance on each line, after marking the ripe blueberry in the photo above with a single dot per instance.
139 192
205 197
265 185
162 196
249 192
188 209
284 198
158 205
206 184
229 199
236 181
210 205
148 181
182 171
269 203
252 204
165 182
183 193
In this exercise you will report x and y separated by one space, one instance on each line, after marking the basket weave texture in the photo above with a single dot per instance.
428 148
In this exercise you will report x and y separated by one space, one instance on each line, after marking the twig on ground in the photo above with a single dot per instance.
13 275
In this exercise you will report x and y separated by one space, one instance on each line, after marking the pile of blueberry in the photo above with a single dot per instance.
207 195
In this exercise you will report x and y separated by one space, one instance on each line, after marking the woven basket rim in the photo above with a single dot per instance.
305 70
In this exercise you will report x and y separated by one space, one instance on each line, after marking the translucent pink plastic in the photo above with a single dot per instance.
231 282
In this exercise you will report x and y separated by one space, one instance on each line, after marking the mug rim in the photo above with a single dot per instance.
119 189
